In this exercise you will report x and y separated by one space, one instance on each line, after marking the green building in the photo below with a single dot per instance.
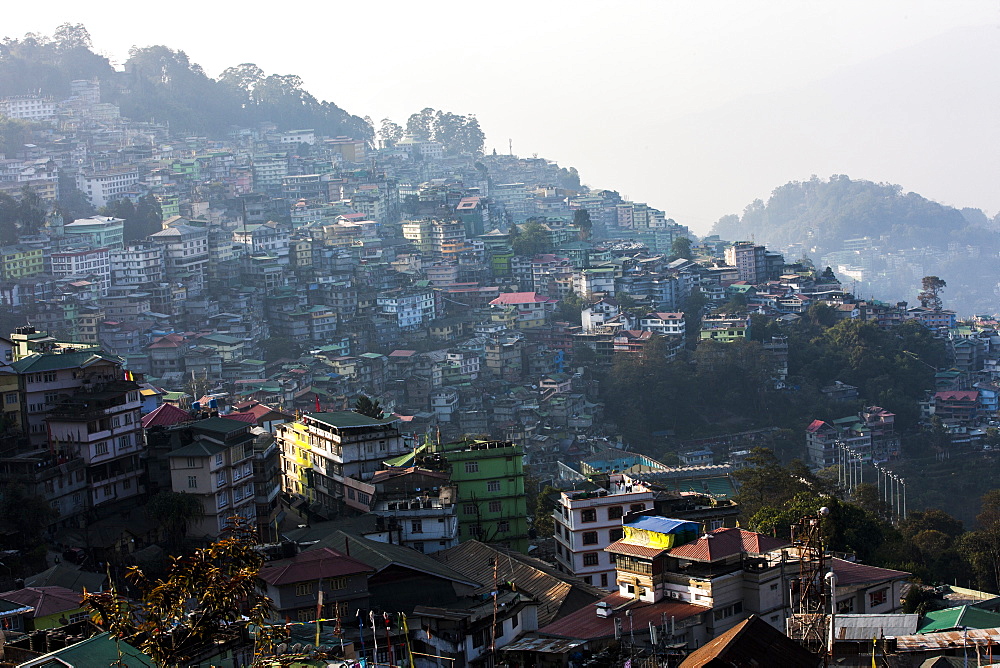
489 477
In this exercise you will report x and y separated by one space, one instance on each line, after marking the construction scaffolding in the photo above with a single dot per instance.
807 592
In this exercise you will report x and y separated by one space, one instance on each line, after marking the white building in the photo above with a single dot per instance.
586 522
93 264
103 187
296 137
185 254
28 107
411 308
665 324
137 264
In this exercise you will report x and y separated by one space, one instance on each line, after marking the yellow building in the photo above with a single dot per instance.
10 403
20 262
293 437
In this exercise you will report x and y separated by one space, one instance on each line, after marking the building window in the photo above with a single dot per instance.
503 527
416 526
636 507
604 579
588 515
590 538
614 512
472 467
615 534
101 448
192 463
469 509
304 589
337 583
493 486
495 506
728 611
591 559
192 482
305 615
218 459
877 598
418 546
587 579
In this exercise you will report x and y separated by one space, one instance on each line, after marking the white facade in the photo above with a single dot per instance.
426 524
587 522
665 324
136 264
28 107
412 310
93 264
103 187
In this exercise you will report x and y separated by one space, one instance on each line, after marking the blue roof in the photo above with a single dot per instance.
662 524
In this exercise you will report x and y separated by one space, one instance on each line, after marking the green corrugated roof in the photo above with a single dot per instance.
967 616
198 449
100 651
407 459
49 361
219 425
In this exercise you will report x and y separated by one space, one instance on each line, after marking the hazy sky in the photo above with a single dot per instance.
694 107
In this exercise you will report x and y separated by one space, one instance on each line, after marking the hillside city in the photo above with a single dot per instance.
468 412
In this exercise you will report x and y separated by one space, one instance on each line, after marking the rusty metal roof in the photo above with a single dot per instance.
947 640
543 645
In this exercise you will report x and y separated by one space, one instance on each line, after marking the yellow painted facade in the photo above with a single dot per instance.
18 263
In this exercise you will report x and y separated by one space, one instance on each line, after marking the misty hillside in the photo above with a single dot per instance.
161 85
821 214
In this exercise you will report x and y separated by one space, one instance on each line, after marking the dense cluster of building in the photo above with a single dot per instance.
219 357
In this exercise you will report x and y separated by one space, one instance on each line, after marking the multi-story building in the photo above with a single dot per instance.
100 231
20 261
45 379
664 324
586 522
321 450
102 187
489 479
93 264
294 585
411 308
185 254
28 107
137 264
421 503
99 423
217 468
526 309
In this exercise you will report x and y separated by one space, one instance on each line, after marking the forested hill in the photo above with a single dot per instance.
822 214
162 85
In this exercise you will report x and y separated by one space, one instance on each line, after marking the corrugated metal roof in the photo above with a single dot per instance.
866 627
584 624
850 573
726 542
633 550
558 594
947 640
543 645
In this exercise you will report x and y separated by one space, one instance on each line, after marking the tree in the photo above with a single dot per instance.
390 132
209 596
680 248
367 406
278 347
420 125
29 515
983 545
174 511
581 219
531 239
930 293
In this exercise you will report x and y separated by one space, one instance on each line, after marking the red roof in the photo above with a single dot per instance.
633 550
815 426
584 624
168 341
402 353
514 298
312 565
726 542
165 415
246 416
957 395
850 573
45 600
